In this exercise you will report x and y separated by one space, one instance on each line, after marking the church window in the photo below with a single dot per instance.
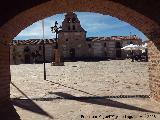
69 20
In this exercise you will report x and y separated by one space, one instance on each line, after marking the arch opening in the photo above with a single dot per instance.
86 87
149 27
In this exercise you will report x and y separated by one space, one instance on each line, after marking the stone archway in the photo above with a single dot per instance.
27 59
72 53
107 7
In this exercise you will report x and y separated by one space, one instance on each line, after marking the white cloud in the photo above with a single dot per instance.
36 31
104 26
31 31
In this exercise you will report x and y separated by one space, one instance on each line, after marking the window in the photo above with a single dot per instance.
67 39
69 20
89 45
105 44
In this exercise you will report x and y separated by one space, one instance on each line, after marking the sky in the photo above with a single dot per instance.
96 25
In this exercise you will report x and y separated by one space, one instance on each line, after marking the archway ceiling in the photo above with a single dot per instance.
10 8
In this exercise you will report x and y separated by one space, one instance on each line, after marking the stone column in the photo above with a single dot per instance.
5 76
7 110
57 58
154 69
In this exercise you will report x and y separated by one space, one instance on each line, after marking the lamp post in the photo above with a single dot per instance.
44 55
56 29
44 59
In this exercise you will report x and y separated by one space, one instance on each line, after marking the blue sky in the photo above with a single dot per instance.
94 23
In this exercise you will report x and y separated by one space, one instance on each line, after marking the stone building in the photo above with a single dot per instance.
31 51
73 44
72 38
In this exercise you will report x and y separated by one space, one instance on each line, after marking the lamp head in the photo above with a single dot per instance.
52 28
56 23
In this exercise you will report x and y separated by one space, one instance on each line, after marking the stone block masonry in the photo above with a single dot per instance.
154 69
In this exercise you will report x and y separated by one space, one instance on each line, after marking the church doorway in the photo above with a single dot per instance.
27 59
72 52
118 54
118 50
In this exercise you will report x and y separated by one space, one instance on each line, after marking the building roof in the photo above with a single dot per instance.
32 42
133 37
92 39
146 41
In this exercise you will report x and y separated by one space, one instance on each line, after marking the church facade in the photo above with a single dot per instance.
73 44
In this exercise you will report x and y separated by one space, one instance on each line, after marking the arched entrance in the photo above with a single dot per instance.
118 50
125 12
72 52
27 59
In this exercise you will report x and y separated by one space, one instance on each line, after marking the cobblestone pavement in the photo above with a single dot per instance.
116 89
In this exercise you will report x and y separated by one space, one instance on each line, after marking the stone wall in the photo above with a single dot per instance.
17 52
154 69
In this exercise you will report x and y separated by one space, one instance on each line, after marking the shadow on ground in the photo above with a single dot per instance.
98 100
106 102
8 112
29 104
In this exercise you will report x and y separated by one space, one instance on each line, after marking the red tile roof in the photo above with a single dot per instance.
32 42
133 37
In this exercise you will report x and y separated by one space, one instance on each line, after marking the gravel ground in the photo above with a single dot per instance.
116 89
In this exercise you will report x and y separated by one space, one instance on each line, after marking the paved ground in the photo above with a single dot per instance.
117 89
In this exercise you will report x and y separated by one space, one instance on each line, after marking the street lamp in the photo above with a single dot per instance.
56 29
